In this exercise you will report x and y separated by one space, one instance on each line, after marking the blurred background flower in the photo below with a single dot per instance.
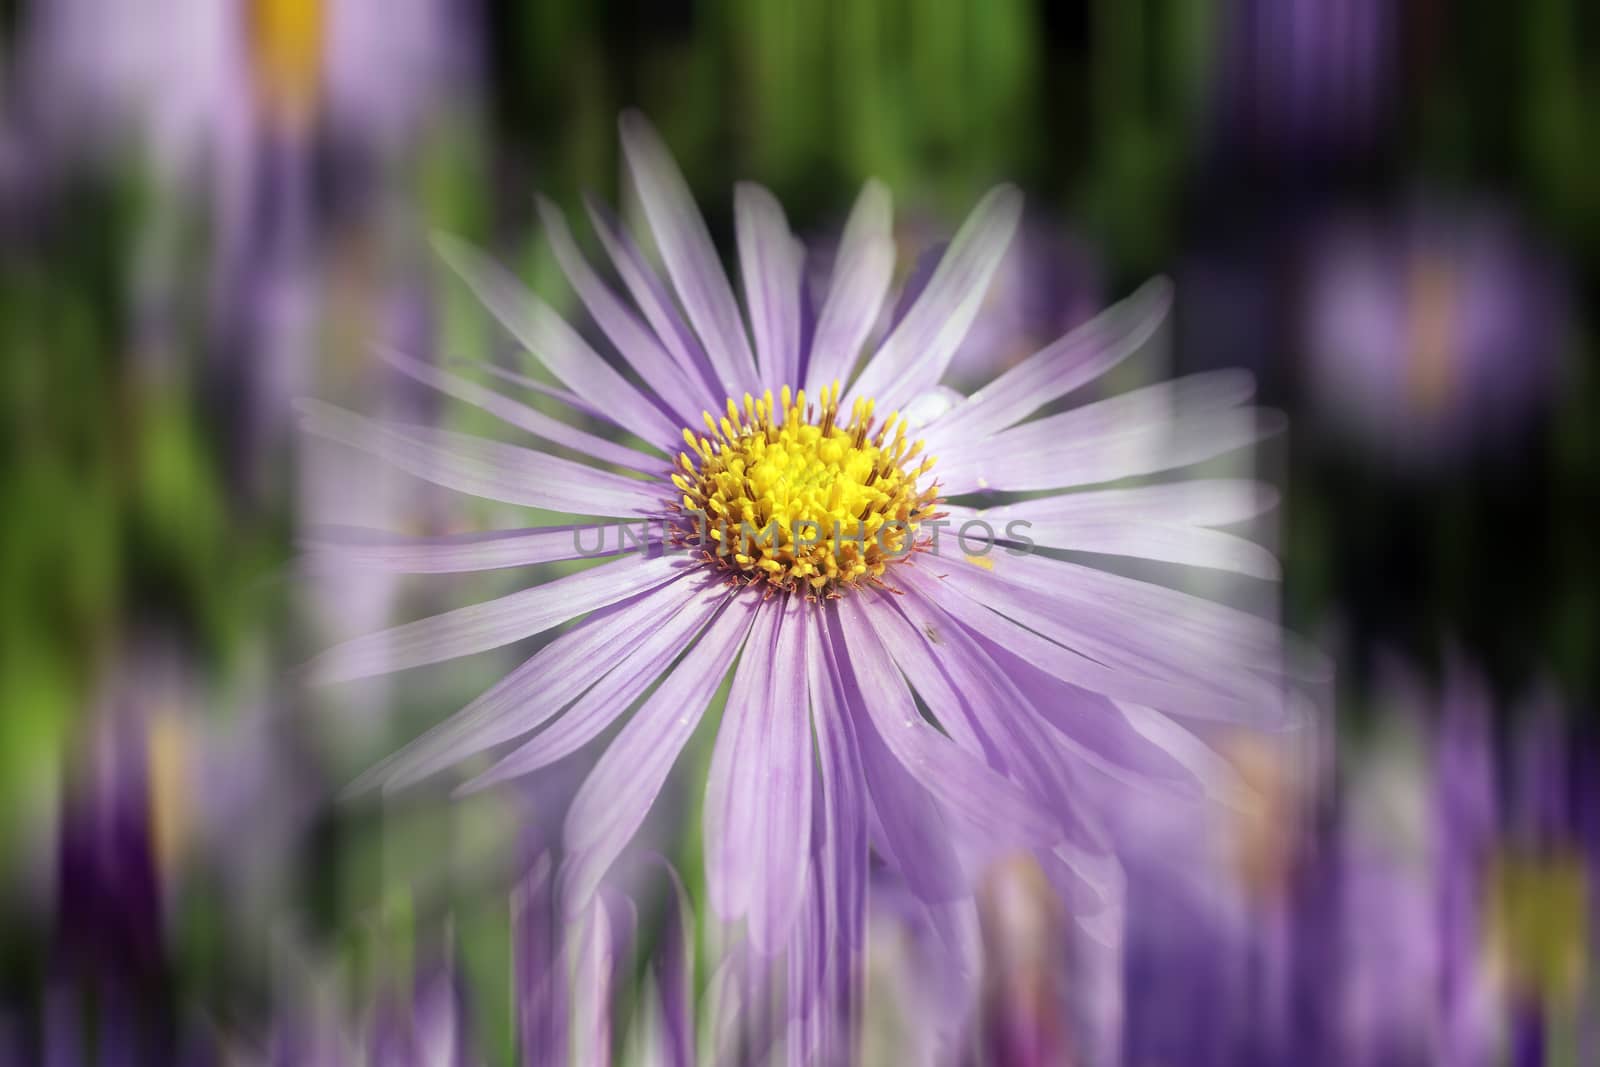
1303 86
207 209
297 123
1410 910
1432 332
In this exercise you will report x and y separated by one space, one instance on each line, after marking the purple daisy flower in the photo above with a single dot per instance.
160 787
1023 1020
1213 901
195 83
1434 902
1519 895
157 790
1436 332
939 699
247 107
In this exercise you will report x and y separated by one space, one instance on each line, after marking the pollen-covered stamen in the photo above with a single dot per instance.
791 496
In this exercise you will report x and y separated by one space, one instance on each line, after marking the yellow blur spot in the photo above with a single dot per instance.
1431 370
287 41
169 817
1263 839
1539 924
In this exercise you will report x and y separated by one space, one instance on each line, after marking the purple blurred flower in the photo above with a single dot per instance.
1213 891
1024 1013
572 968
1524 908
1036 669
158 787
426 1026
1467 895
1438 908
1006 976
279 118
1305 83
920 981
127 820
311 1027
198 84
1431 332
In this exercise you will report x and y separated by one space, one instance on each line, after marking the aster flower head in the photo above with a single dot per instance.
133 826
1433 332
190 81
906 674
1483 837
1436 904
160 807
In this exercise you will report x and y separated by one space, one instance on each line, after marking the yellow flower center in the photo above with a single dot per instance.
1432 369
1538 922
791 496
287 37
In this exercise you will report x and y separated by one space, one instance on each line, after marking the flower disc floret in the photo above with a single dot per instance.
789 495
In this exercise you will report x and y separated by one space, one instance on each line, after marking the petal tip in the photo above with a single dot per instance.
447 245
639 134
550 215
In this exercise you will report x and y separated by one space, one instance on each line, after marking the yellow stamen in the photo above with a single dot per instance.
801 502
